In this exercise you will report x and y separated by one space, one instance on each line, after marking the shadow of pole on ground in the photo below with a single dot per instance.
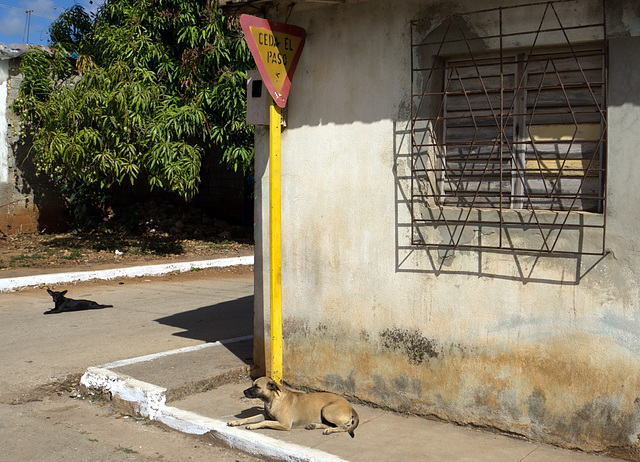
231 319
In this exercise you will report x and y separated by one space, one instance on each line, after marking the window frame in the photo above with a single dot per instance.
440 217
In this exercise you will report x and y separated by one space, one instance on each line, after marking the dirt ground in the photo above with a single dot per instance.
25 254
61 425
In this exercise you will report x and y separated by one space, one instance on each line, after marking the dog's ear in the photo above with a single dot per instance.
50 292
64 292
274 387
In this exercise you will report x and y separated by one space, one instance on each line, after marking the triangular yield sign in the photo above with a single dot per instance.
276 49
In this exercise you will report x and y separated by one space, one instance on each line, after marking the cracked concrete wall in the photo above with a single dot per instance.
17 211
543 347
14 214
28 203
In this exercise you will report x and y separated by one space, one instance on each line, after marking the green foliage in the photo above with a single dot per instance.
88 204
70 28
156 83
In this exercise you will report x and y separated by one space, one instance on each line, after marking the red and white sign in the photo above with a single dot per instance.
276 49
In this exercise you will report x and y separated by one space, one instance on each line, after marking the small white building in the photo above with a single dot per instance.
460 214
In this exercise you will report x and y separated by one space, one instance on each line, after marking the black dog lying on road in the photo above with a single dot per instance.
68 304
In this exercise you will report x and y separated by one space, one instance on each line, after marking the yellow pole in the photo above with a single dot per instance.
275 240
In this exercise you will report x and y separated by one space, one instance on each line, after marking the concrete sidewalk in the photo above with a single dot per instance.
197 390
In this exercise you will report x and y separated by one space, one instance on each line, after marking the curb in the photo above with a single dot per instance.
256 444
11 284
149 400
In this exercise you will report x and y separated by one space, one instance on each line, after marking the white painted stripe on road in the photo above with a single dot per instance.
10 284
151 357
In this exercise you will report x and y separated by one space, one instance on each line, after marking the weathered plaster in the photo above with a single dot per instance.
4 126
541 346
23 196
17 212
548 391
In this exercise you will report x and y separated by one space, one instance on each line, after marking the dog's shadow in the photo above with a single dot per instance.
250 412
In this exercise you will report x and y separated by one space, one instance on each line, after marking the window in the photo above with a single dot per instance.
509 129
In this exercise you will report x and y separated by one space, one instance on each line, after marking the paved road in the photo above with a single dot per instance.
148 316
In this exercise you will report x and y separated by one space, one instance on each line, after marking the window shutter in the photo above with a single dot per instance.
524 133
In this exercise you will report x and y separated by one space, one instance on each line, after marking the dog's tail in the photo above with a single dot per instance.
105 306
355 420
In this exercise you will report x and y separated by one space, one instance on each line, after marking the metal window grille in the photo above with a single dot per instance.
509 129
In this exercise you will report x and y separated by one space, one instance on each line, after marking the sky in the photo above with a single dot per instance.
15 26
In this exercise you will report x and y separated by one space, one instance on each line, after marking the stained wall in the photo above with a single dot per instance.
541 346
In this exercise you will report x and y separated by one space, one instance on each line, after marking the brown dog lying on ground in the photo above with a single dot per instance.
288 409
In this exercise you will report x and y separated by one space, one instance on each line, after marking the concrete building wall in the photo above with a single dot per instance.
4 126
17 212
540 346
28 203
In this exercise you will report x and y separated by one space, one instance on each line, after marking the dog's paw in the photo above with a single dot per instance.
234 423
251 427
310 427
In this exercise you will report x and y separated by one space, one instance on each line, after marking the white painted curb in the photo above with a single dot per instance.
244 440
148 398
150 401
10 284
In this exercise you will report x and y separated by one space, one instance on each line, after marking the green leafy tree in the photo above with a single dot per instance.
71 27
156 83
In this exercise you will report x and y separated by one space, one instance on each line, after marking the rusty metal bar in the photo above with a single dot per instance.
413 121
466 170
